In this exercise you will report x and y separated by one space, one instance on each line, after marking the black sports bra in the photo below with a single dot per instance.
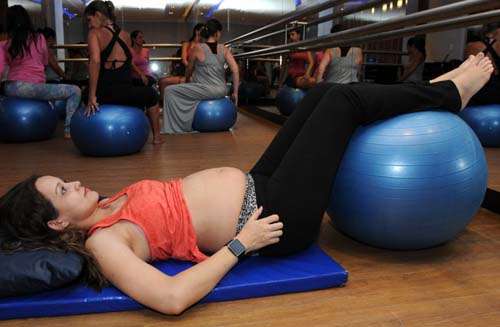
106 52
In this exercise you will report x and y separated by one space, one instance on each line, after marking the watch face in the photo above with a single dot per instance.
236 247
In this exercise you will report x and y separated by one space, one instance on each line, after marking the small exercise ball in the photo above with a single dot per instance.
26 120
114 130
485 122
410 182
251 91
214 115
60 107
288 98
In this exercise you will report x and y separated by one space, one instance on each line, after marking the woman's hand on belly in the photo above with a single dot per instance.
258 233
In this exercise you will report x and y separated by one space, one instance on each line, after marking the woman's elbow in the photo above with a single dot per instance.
176 303
173 309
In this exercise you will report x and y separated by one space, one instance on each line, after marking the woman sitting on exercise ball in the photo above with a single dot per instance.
299 65
205 80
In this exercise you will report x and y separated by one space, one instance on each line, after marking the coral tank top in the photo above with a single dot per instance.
160 210
298 63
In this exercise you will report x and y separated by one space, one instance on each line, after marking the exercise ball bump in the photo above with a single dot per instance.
214 115
26 120
288 99
114 130
485 122
410 182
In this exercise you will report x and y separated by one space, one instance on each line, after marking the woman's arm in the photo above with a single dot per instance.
55 65
185 53
236 73
325 61
94 67
310 64
193 54
358 59
174 294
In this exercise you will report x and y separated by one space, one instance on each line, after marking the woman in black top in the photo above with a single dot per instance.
110 67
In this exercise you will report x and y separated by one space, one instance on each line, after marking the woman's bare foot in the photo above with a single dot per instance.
67 136
473 78
158 140
457 71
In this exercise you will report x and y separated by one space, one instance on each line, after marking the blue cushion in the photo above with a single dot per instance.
252 277
25 272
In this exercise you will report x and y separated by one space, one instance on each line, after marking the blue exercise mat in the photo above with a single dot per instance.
253 277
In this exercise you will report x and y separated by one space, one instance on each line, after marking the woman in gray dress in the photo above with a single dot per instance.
205 80
343 63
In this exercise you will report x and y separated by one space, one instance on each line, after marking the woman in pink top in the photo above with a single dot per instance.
141 74
216 211
26 54
300 65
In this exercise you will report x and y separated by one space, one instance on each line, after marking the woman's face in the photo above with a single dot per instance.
139 39
217 35
294 36
73 201
95 21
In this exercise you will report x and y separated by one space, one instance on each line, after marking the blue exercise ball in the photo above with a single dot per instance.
114 130
410 182
485 122
288 99
60 107
214 115
26 120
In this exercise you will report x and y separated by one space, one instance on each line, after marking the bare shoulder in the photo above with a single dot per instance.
101 238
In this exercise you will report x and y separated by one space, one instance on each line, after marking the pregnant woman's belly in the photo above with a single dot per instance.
214 198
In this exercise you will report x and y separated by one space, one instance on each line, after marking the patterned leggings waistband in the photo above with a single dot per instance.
249 203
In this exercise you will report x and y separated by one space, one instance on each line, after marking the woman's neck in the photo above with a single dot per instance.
100 213
211 40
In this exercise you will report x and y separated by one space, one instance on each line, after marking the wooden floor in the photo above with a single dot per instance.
453 285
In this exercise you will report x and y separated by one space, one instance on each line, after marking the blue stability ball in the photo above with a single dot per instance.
114 130
214 115
26 120
60 107
288 98
410 182
485 122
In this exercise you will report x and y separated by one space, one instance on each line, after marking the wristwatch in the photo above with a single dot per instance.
236 248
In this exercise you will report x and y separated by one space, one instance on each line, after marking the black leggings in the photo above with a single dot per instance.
294 176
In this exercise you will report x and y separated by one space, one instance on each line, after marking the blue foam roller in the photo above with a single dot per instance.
114 130
409 182
26 120
253 277
485 122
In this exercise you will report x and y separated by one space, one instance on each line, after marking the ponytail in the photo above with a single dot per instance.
106 8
